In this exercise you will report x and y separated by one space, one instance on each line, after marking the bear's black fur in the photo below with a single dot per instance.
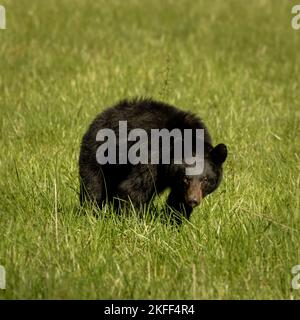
139 183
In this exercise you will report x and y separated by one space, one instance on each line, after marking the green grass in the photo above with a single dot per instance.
234 63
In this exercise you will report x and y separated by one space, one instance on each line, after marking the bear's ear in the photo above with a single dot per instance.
219 153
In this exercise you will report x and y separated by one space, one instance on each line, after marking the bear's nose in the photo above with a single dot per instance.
193 202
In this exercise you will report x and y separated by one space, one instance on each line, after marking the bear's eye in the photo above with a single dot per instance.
205 179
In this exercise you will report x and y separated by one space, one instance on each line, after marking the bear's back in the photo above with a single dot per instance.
144 114
147 114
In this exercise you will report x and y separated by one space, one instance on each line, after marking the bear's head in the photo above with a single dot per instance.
196 187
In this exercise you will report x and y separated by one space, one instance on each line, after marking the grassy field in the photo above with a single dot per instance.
234 63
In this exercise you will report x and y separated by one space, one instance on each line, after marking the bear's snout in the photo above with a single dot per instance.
194 194
193 202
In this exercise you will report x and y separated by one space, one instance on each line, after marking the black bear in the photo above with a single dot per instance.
139 182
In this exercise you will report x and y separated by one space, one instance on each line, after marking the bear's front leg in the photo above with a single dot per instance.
177 208
139 186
